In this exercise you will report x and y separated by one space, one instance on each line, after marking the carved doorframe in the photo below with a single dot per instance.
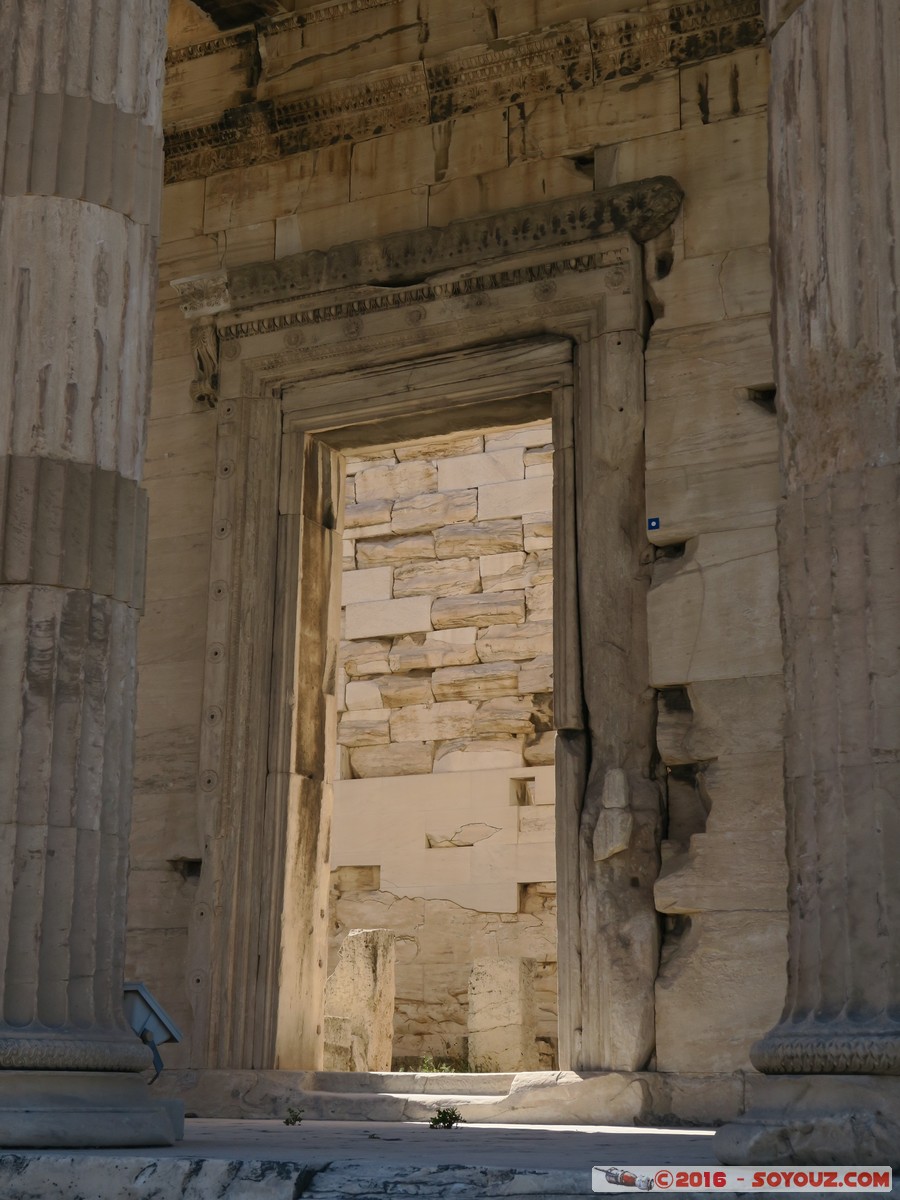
530 286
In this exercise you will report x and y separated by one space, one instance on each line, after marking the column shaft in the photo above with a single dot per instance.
80 95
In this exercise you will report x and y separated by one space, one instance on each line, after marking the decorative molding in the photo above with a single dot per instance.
203 295
667 35
834 1049
415 260
205 349
559 59
551 61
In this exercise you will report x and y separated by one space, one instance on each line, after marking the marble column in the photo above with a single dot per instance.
834 1058
80 176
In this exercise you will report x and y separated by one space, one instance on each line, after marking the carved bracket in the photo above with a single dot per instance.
205 349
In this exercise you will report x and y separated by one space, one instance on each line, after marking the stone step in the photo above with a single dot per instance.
407 1083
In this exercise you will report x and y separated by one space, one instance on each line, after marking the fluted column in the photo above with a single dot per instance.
80 174
835 195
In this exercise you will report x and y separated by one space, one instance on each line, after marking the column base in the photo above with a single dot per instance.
84 1110
815 1120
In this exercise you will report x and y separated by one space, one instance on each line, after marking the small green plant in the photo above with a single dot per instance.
294 1116
446 1118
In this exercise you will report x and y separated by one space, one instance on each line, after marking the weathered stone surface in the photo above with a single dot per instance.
514 498
502 572
405 479
369 512
446 648
475 470
542 750
361 990
400 758
443 577
506 714
364 727
451 719
489 537
501 1015
495 754
380 550
397 691
338 1055
366 657
476 682
537 675
420 513
360 587
478 611
382 618
499 642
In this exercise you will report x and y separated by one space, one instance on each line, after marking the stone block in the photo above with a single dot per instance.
712 499
363 694
477 682
392 482
466 145
447 648
542 751
363 587
399 690
720 987
740 717
720 89
713 614
539 602
482 611
364 727
504 714
491 537
267 190
418 514
538 532
338 1054
499 642
361 460
402 758
324 228
433 722
577 122
536 676
502 1033
361 990
474 470
383 550
526 436
386 618
443 577
725 871
513 186
370 512
492 754
502 572
440 447
515 498
366 658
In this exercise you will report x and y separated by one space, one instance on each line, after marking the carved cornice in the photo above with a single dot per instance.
668 35
464 259
555 60
642 210
563 58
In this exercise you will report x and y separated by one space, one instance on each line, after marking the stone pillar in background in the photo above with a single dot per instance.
835 194
502 1023
80 95
361 990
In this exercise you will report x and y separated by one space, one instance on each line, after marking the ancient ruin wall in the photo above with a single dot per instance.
444 818
582 93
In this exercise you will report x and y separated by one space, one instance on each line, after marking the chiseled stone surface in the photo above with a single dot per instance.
501 1015
361 990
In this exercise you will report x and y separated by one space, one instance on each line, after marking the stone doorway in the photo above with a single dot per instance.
299 378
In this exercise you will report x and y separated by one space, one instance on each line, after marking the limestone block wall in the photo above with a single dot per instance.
402 115
444 816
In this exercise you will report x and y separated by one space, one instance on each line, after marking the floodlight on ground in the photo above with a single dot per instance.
150 1021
